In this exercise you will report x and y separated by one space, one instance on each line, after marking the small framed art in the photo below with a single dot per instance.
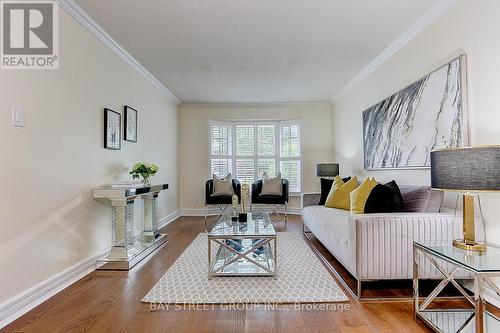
130 126
112 129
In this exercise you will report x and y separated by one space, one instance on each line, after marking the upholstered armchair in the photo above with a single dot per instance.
220 201
274 201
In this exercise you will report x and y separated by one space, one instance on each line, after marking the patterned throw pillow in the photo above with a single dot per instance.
223 186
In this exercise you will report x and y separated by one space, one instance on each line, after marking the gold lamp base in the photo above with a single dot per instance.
469 243
461 244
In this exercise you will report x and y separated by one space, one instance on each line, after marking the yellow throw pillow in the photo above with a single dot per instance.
360 195
339 195
338 181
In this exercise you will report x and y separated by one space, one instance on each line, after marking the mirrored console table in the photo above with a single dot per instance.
127 250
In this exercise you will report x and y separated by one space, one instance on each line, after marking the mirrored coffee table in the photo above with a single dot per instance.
242 249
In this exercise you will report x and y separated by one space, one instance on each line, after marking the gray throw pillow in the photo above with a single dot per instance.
223 186
271 186
421 199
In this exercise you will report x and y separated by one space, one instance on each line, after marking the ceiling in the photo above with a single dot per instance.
255 51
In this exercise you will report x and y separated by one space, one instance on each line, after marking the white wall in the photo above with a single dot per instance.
193 158
48 220
470 27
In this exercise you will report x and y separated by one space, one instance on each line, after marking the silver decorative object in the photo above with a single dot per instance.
245 197
234 200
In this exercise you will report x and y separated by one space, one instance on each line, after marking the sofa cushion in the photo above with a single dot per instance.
421 199
220 200
269 200
333 228
326 186
384 199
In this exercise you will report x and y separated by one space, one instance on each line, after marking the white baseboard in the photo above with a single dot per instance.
20 304
169 218
214 211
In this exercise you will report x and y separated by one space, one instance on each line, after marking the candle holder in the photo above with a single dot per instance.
245 194
234 198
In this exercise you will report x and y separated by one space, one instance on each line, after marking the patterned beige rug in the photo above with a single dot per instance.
302 278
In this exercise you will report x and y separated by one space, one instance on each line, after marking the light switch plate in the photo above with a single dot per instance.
17 116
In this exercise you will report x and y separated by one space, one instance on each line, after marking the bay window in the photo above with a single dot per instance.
246 149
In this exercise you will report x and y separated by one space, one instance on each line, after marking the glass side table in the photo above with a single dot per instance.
451 263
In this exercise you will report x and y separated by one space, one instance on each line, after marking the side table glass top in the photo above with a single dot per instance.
488 261
257 225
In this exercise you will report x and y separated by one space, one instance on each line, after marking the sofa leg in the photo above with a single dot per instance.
305 229
359 291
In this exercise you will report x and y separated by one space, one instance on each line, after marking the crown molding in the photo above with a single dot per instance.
231 105
430 16
92 26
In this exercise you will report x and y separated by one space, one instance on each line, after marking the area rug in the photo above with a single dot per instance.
302 278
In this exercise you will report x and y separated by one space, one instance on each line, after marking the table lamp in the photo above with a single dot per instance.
327 169
468 170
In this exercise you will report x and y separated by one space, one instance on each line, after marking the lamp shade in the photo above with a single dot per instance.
327 169
466 169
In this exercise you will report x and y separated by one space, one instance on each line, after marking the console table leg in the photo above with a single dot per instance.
150 219
122 216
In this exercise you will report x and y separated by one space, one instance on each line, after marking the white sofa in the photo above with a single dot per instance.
376 246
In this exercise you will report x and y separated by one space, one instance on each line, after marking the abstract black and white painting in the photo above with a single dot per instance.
401 131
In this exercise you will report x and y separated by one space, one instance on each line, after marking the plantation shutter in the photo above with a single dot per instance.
290 155
245 152
221 148
266 149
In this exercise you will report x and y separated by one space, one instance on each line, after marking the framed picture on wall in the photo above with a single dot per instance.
112 129
400 131
130 126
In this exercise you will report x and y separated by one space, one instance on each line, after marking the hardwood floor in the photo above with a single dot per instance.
106 301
